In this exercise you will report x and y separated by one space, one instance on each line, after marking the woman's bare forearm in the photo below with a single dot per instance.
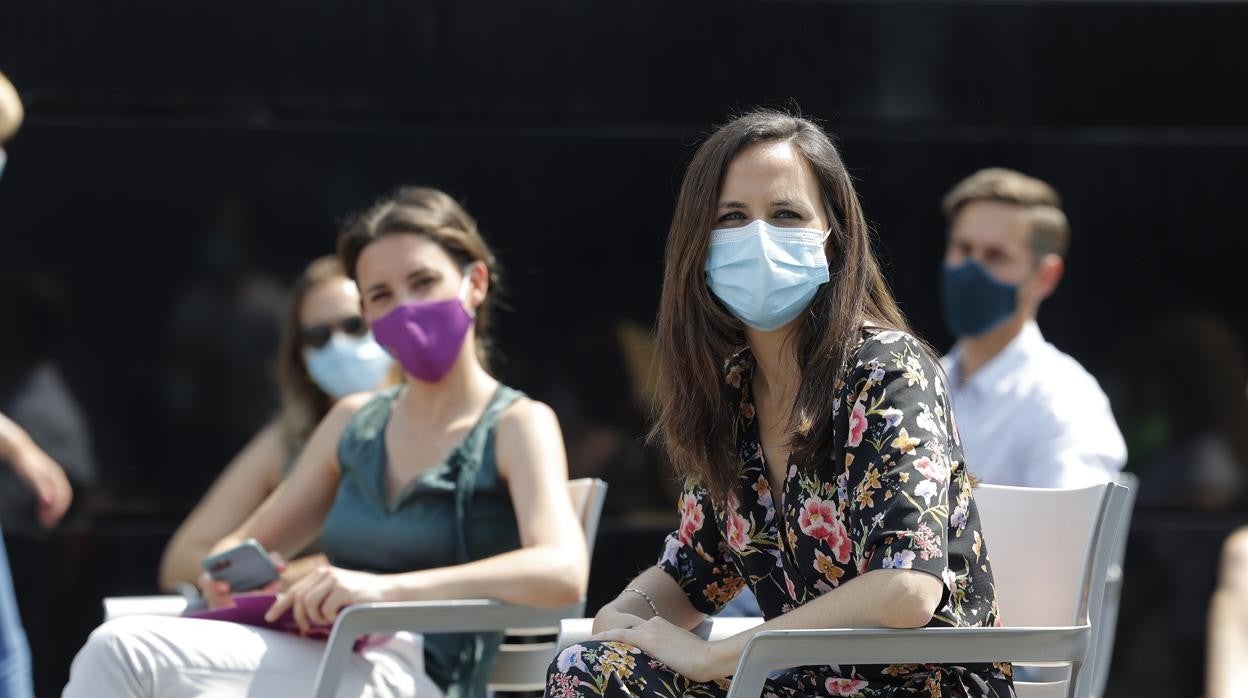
669 599
540 576
878 599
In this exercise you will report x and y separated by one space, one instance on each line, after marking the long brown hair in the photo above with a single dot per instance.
304 404
694 413
437 216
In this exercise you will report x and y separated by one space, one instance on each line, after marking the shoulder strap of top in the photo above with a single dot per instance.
363 440
475 441
473 455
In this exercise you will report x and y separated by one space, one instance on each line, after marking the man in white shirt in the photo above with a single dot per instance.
1028 414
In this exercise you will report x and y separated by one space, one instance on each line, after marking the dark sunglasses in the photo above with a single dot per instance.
317 336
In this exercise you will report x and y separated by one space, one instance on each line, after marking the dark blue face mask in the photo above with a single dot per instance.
974 301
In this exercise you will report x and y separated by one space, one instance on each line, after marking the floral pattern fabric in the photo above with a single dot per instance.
896 494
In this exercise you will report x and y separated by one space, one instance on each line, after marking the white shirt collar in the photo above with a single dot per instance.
1008 360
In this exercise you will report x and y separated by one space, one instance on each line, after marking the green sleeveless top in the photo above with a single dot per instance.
368 530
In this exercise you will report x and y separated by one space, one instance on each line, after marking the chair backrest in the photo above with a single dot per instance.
1105 613
521 662
588 495
1041 543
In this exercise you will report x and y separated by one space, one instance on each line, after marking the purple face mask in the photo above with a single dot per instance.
425 338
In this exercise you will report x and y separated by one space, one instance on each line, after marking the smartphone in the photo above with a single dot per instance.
245 567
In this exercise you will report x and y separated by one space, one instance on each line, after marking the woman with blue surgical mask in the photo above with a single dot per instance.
822 469
327 353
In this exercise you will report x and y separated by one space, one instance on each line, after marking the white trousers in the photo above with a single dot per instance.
175 657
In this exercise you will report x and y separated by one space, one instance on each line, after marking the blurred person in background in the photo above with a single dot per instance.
29 463
1029 415
222 335
327 353
1193 458
35 394
450 485
52 491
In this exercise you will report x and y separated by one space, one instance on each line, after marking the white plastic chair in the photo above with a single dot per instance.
518 666
1106 616
1045 546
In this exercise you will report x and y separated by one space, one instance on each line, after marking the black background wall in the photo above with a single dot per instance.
176 147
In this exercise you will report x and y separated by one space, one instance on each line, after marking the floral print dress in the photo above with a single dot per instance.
896 494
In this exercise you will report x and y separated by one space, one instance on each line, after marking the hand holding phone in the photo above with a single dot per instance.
245 567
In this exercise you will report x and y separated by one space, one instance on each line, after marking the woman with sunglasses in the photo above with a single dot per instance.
326 354
451 485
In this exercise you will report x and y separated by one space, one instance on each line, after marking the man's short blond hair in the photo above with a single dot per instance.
11 112
1042 207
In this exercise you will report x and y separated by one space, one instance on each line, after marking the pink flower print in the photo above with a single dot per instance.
817 519
691 517
931 469
565 686
788 585
857 424
839 541
738 532
843 687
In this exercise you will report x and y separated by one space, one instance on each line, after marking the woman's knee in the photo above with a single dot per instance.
105 665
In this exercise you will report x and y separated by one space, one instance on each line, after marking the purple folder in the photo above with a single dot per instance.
249 609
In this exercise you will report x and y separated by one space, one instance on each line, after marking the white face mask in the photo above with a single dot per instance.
764 274
347 364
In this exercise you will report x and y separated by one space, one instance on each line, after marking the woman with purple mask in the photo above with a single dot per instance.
448 486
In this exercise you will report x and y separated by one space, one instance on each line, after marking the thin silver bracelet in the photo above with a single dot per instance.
653 609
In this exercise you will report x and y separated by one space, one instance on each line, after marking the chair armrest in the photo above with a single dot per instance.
782 649
163 605
576 630
573 631
464 615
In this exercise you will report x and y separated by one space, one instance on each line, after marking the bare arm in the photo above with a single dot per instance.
630 608
1226 668
292 516
551 568
880 598
11 112
37 469
253 474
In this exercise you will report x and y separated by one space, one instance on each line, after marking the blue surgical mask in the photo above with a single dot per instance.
766 275
974 301
348 364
